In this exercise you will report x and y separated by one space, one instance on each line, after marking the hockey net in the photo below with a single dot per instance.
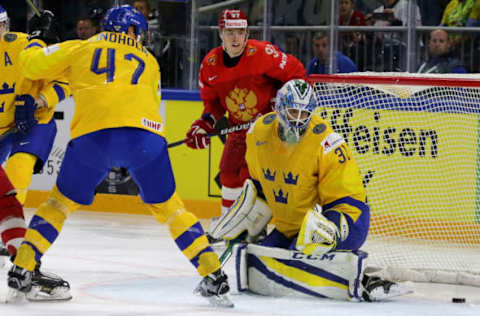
416 141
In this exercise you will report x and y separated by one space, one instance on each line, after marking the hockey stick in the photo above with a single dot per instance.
223 131
227 253
34 8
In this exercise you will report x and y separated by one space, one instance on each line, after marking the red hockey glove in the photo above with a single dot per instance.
197 136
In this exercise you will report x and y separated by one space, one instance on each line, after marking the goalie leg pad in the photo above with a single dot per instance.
281 272
247 213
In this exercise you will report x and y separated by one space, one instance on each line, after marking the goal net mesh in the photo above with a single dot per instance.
416 142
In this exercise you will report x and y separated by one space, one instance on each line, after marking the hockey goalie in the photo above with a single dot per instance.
303 176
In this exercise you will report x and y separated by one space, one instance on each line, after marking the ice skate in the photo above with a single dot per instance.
48 287
20 283
215 288
377 289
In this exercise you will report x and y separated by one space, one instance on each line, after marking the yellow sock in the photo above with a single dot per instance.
188 234
44 228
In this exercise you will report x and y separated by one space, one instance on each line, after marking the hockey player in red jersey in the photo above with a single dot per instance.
241 77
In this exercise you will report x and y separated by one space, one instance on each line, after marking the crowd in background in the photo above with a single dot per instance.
436 51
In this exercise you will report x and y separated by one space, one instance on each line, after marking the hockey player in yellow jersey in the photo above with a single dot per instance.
115 84
28 131
304 176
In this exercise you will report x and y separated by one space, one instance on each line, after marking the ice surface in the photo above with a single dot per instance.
120 264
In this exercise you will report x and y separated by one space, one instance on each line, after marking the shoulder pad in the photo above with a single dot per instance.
269 118
10 37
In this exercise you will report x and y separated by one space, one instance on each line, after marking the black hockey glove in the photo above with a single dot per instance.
44 27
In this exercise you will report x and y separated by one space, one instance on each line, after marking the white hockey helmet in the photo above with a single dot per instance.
4 21
294 104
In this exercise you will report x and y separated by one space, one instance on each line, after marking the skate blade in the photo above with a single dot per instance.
221 301
57 294
15 297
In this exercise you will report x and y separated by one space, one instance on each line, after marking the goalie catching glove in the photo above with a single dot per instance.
198 136
318 235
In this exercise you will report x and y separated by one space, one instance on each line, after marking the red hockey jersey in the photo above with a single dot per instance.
248 89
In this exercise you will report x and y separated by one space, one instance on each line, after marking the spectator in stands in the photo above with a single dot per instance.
96 14
462 13
440 57
319 64
86 28
350 16
389 47
394 13
431 11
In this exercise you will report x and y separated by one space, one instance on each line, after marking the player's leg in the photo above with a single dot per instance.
233 169
19 169
12 222
83 168
25 154
5 147
154 177
29 152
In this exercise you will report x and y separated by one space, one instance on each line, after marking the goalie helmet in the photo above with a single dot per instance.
4 21
294 104
121 18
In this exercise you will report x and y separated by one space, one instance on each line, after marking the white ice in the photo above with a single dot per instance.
120 264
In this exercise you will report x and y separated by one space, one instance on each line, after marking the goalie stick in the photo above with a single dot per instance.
223 131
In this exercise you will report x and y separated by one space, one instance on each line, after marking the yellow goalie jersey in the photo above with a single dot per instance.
115 81
319 169
14 83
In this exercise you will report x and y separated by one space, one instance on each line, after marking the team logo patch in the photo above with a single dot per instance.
10 37
319 128
269 119
212 60
331 142
251 50
242 104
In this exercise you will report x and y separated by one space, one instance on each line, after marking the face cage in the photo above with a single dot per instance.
293 125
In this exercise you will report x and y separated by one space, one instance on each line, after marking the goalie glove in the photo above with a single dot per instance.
198 135
318 235
25 107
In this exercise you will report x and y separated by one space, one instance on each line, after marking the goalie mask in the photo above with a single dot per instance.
4 21
294 104
121 18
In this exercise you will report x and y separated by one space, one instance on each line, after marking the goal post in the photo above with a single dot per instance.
416 141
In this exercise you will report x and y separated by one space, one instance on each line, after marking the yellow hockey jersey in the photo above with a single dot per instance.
115 81
319 169
13 83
